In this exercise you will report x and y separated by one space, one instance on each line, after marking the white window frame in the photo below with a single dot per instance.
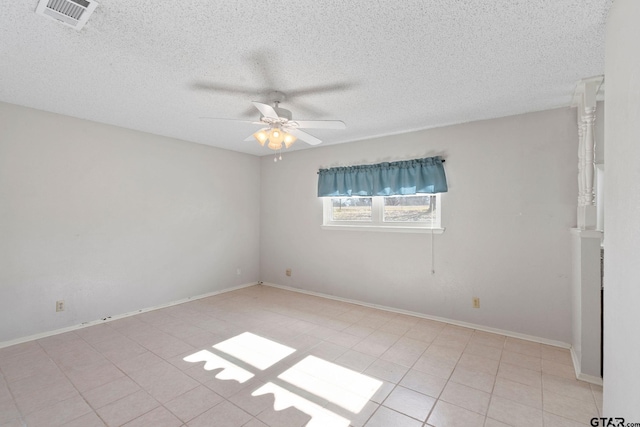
377 223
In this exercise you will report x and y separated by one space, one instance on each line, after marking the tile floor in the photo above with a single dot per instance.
132 371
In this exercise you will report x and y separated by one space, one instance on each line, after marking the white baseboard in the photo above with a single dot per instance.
427 316
579 375
119 316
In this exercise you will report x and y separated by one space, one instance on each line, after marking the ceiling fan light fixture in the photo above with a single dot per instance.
261 136
276 136
289 140
274 145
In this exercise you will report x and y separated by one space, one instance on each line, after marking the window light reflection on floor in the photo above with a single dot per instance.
229 371
283 399
341 386
344 387
254 350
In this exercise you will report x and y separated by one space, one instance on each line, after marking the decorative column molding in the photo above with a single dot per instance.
584 99
589 118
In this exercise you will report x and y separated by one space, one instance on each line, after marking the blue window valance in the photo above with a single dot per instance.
384 179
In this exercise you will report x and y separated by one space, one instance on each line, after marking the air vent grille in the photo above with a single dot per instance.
67 8
73 13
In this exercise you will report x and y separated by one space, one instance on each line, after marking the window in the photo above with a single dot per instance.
415 213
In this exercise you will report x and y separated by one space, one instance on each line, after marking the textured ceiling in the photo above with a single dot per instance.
392 66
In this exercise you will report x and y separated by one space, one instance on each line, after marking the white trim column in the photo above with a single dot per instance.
586 241
584 100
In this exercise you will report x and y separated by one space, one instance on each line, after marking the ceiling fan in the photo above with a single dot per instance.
278 127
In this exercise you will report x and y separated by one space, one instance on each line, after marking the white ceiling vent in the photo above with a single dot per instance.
73 13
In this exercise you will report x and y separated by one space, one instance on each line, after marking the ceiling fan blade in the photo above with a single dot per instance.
320 89
309 139
319 124
309 110
251 122
249 112
266 110
233 90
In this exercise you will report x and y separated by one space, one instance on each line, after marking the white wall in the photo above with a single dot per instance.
510 206
622 222
112 220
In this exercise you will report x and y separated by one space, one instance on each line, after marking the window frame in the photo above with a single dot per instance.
377 222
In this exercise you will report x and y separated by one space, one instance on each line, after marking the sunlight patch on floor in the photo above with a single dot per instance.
283 399
229 370
344 387
254 350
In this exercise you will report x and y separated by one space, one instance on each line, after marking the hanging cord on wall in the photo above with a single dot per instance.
433 270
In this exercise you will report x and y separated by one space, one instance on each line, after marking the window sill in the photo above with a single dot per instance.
394 229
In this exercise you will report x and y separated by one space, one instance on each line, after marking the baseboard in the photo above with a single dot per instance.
579 375
119 316
427 316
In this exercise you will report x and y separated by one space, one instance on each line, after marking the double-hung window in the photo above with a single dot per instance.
400 196
414 213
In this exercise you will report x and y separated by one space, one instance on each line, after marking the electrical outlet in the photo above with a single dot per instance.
288 272
476 302
60 305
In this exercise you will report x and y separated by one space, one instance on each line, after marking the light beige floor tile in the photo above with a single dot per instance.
409 402
490 422
128 408
513 413
466 397
423 383
405 356
383 391
359 331
552 420
447 415
284 418
359 419
88 378
520 375
478 380
567 407
523 347
385 417
110 392
193 403
159 416
58 413
421 354
387 371
488 339
164 381
328 351
344 339
255 423
355 360
555 354
476 363
524 361
435 366
570 388
46 396
558 369
8 411
88 420
443 352
483 350
530 396
421 334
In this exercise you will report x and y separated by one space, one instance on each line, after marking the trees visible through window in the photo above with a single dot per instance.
420 211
